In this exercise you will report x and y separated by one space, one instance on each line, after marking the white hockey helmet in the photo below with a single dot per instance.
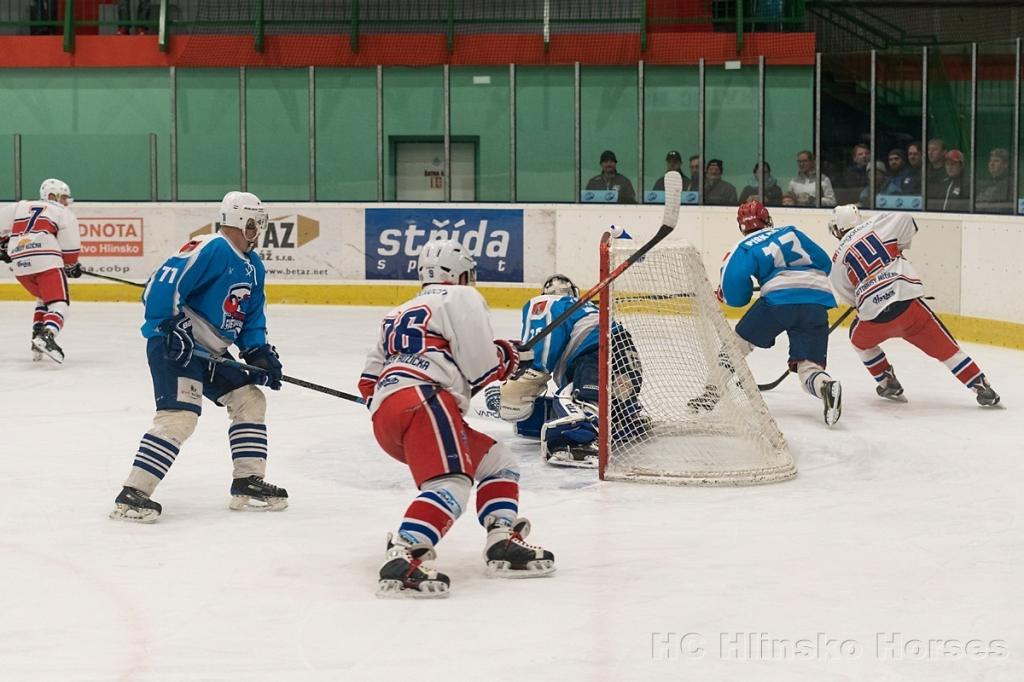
844 218
56 188
560 285
245 212
445 261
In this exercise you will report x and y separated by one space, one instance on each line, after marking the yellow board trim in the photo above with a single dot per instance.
975 329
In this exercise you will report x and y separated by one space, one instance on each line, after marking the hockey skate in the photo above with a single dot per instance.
255 494
135 506
832 397
986 395
706 401
579 456
508 555
406 574
37 329
890 387
45 344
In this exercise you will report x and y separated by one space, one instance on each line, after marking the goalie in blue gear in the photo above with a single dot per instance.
567 422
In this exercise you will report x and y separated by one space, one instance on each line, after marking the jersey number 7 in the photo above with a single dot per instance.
864 257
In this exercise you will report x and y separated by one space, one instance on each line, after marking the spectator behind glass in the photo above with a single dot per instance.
673 162
694 184
994 195
718 192
902 180
914 157
936 168
880 181
789 199
856 174
954 185
804 186
610 178
772 191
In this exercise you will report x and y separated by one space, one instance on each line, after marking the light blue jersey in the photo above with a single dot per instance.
556 354
218 287
787 264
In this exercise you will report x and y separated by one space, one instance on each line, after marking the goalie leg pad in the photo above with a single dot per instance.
517 397
159 448
531 426
247 408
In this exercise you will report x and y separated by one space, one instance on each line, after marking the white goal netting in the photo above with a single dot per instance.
680 401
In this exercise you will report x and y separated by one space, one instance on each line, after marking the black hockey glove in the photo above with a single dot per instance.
179 344
4 257
266 358
73 271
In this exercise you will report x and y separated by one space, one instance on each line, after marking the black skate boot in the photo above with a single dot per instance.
832 397
890 387
986 395
580 456
37 329
508 556
45 343
406 574
255 494
135 505
706 401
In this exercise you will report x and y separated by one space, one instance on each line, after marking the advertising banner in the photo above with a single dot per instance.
494 237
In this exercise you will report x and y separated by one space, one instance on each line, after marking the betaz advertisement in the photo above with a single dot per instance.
494 237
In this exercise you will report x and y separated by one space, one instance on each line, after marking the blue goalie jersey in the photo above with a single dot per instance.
557 353
218 287
787 264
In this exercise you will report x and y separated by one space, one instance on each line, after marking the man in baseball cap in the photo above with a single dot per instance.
673 162
610 178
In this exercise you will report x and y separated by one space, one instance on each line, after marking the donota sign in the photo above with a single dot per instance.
114 237
285 232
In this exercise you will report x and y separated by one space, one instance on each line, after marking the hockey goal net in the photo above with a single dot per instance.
680 404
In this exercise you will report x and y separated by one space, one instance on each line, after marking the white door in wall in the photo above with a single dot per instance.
419 171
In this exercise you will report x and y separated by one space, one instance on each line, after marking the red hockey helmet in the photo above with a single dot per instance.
753 216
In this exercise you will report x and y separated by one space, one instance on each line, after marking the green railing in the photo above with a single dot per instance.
741 16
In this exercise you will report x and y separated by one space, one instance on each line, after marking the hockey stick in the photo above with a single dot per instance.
832 328
227 362
114 279
673 188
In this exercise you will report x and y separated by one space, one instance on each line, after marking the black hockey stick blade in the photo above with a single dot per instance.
227 362
663 232
832 328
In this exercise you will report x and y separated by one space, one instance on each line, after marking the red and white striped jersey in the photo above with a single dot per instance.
441 338
44 236
869 270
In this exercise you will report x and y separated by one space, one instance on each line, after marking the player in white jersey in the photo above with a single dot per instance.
870 272
40 240
433 353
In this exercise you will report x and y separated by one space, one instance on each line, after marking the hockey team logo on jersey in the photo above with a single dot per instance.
395 236
234 315
538 308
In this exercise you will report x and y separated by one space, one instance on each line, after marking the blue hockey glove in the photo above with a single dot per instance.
265 357
179 344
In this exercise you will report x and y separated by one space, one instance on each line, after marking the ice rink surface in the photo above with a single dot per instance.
896 553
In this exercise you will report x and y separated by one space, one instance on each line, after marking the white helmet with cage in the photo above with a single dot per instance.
560 285
445 261
57 189
844 218
244 211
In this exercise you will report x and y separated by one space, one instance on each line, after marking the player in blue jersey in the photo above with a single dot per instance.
792 272
567 423
207 297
